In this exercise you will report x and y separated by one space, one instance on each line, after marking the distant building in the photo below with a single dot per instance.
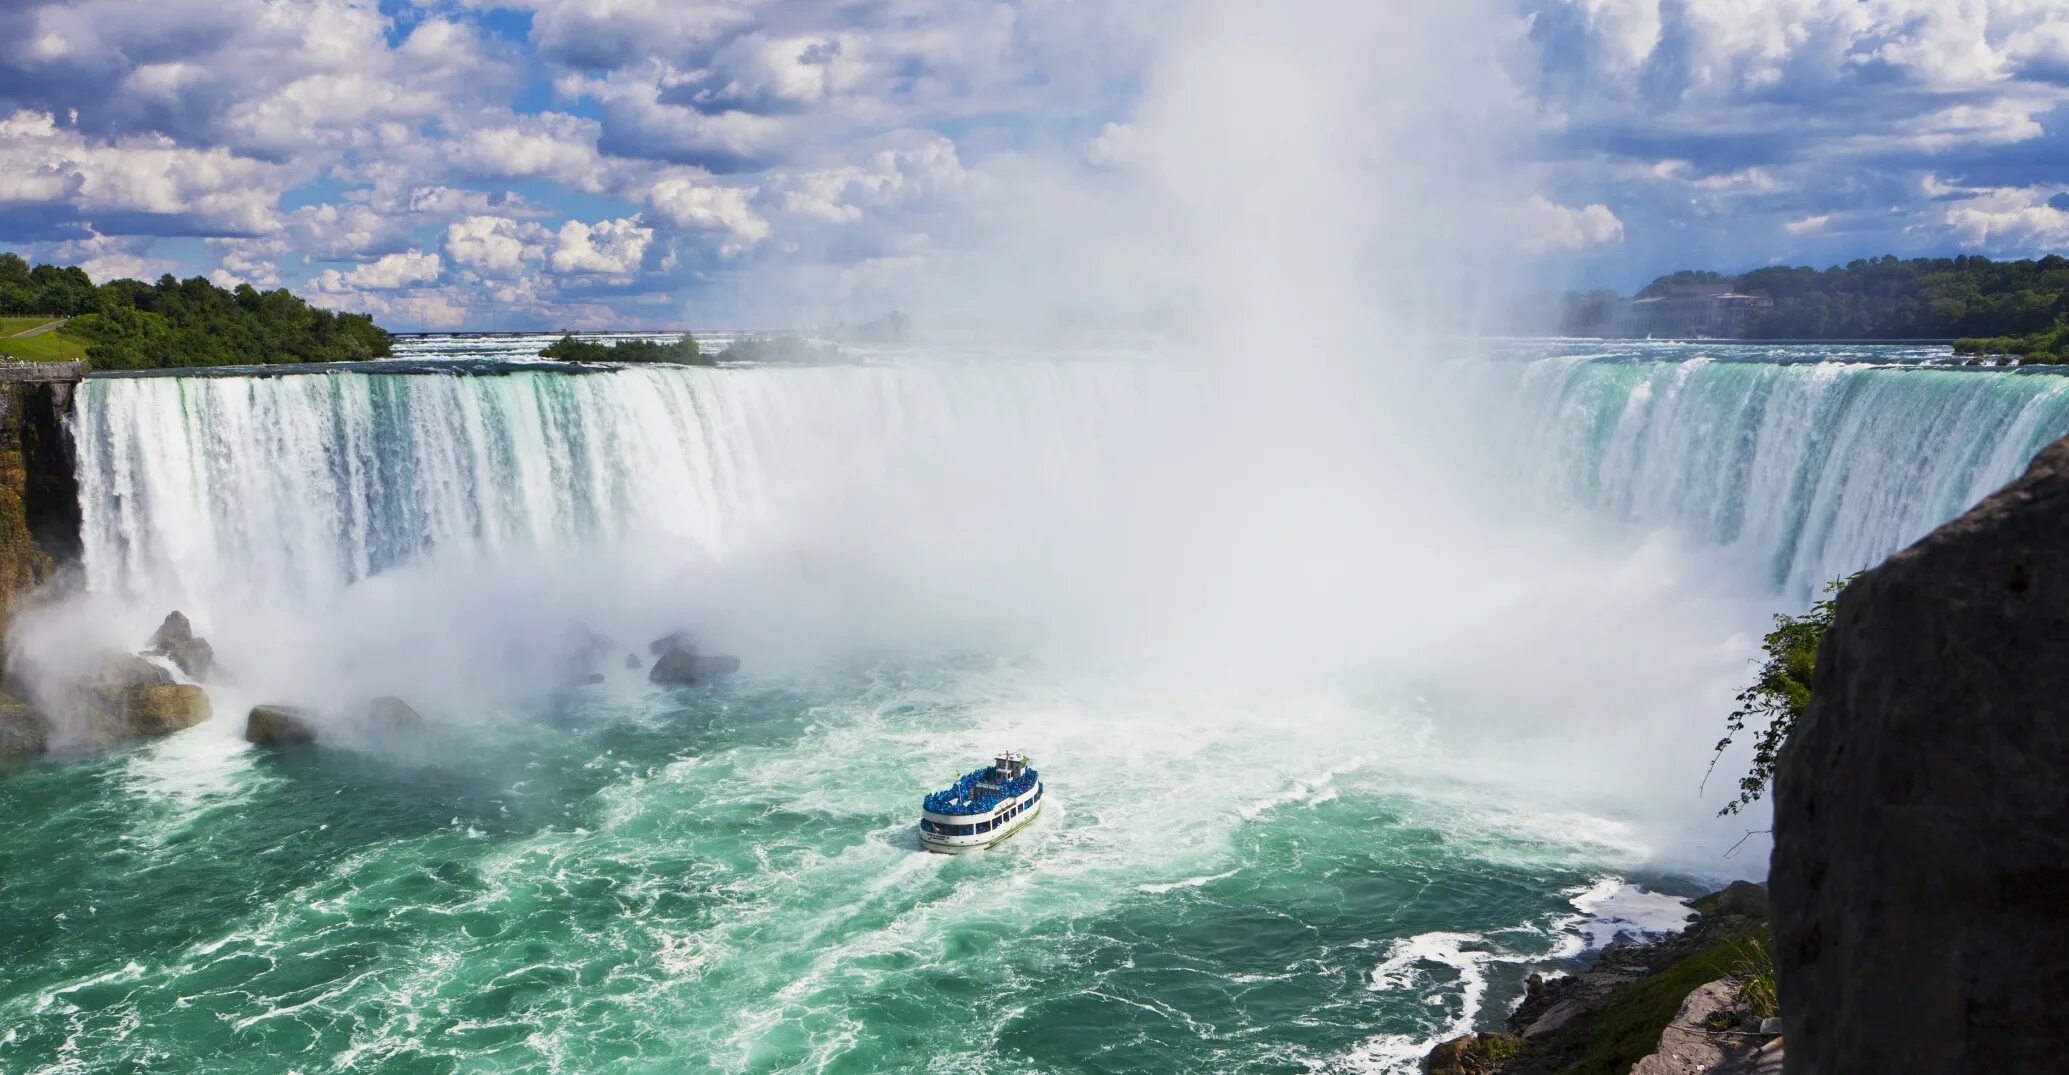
1716 315
1723 315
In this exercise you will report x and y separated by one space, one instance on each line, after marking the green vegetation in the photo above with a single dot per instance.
782 348
1628 1026
57 345
1780 693
1755 974
682 352
1482 1054
1873 298
2048 347
1921 298
11 325
128 324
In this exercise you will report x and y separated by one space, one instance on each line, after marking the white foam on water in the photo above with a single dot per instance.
1450 970
1190 882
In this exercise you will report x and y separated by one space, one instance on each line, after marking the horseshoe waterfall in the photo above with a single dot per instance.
1293 687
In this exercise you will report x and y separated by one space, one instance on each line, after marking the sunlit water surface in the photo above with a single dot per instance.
726 879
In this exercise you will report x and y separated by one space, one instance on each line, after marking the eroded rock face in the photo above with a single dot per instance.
677 662
163 709
22 731
175 640
128 696
279 725
1473 1054
1921 858
679 668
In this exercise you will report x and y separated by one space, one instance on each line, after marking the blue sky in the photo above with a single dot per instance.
547 163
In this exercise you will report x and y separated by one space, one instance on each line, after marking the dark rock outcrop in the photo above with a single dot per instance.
128 696
1921 856
678 664
175 640
391 714
1474 1054
1742 899
677 668
1560 1016
22 730
279 725
1713 1034
583 652
672 642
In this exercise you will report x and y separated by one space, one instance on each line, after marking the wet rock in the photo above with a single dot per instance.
1921 810
1560 1018
163 709
129 670
279 725
176 630
674 642
592 679
22 731
391 714
684 669
632 660
1473 1054
175 640
677 662
582 651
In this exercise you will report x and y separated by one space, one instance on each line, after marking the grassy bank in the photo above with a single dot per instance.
57 345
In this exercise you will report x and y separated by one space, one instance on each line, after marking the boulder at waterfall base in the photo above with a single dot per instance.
279 725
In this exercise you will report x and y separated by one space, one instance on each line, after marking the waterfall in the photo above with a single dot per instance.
1817 469
294 486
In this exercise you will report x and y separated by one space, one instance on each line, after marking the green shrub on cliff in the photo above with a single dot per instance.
1779 694
128 324
682 352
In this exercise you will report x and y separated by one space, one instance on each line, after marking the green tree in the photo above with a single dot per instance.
682 352
1780 693
129 324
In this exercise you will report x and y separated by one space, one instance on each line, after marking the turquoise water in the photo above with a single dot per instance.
1254 857
727 880
1814 462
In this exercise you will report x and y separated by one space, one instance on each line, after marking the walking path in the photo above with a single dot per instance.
41 329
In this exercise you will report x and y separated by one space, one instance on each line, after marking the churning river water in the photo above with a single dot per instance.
1293 876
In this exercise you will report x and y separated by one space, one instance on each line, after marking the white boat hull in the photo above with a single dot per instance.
955 845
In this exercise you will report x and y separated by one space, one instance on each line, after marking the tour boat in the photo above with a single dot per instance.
983 807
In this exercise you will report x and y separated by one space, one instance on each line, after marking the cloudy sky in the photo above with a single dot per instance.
546 163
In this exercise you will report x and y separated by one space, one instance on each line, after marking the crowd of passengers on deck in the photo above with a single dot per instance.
966 798
980 827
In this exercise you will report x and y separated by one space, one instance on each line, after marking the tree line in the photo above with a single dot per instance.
682 352
174 323
1873 299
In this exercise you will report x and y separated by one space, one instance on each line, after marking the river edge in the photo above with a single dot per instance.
1617 1013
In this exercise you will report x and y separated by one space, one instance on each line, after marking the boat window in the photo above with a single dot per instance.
984 826
929 826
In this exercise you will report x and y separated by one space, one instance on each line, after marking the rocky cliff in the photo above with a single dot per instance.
1920 875
39 515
